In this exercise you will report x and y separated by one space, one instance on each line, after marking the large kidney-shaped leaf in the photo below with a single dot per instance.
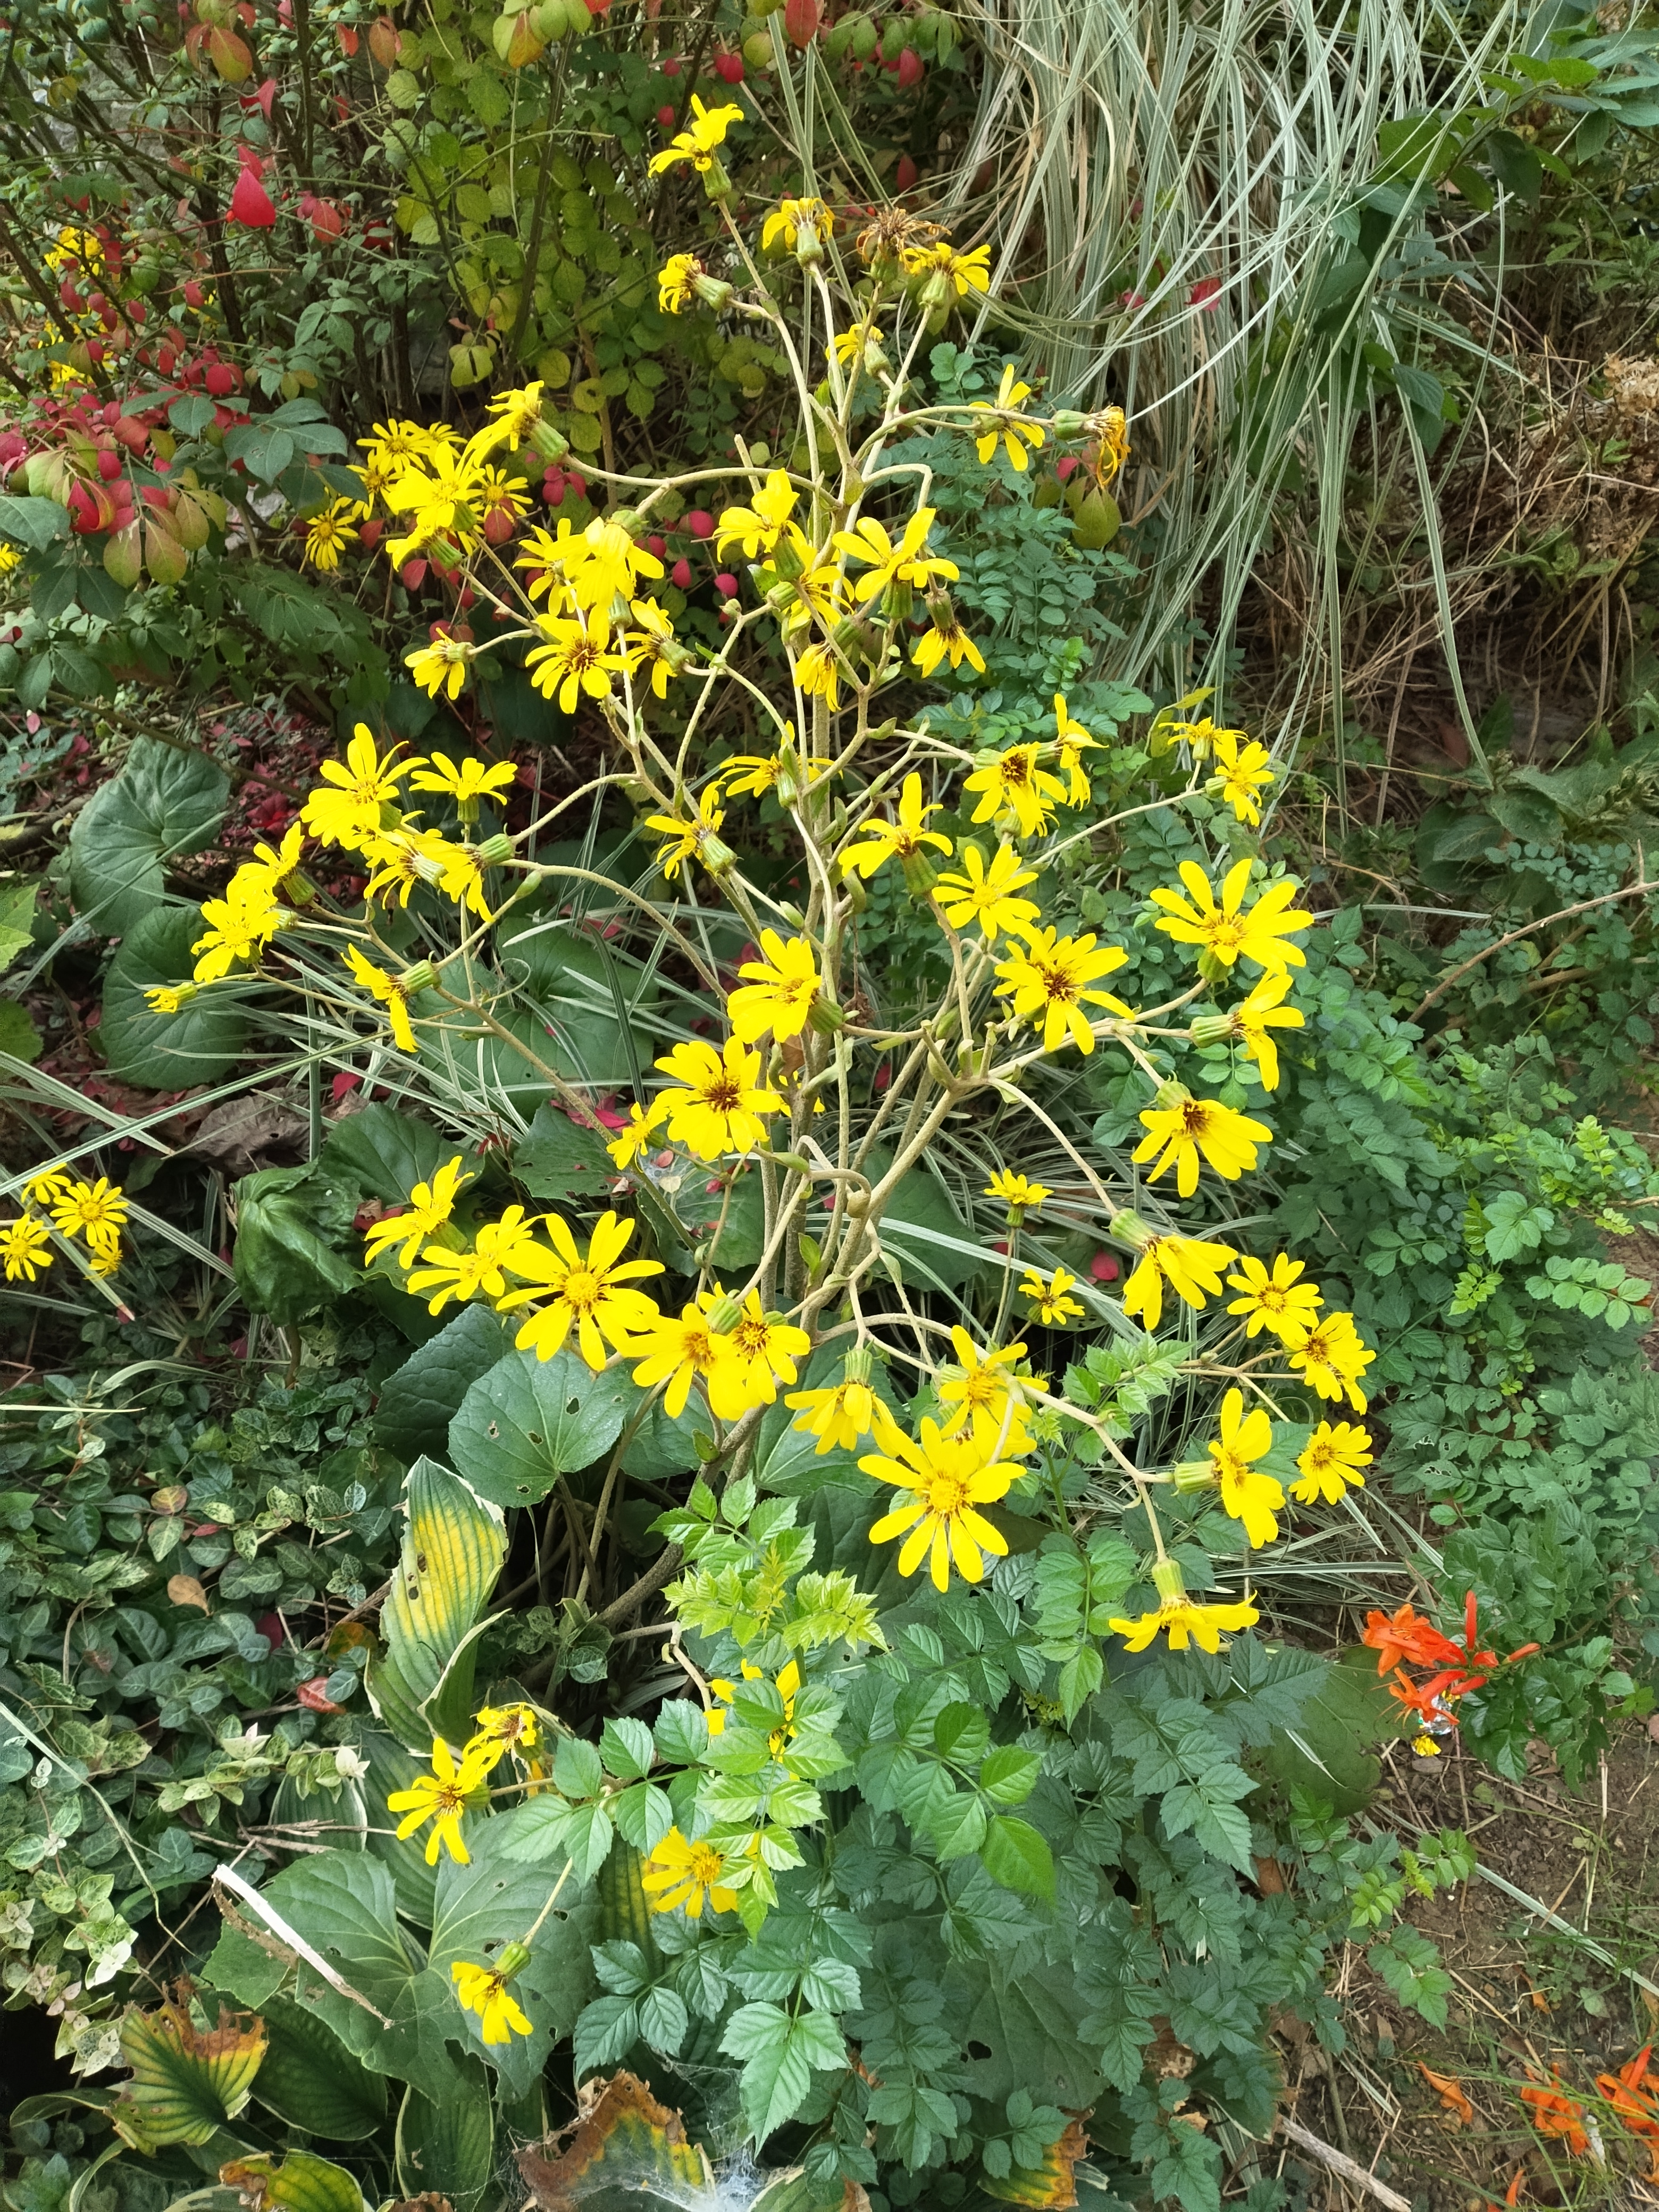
290 1224
452 1553
165 1052
344 1904
625 2149
530 1420
311 2080
421 1399
385 1153
558 1161
166 801
588 995
484 1906
187 2081
301 2182
446 2145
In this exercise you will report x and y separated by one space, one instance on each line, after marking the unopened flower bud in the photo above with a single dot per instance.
857 1365
1129 1229
1212 1029
548 441
512 1960
826 1016
896 602
1066 422
717 856
936 293
1167 1583
1193 1475
494 850
627 518
713 291
716 184
1211 967
724 1314
421 977
920 876
297 890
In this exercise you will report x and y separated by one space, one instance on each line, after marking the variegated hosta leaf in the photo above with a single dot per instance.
452 1555
187 2081
624 2147
301 2182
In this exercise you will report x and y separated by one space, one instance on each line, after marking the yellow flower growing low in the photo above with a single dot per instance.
1184 1621
96 1210
1244 776
642 1126
781 991
1015 430
345 810
1254 1020
328 535
981 1392
25 1246
466 781
679 1350
678 1871
985 896
441 666
461 1274
1018 1192
483 1990
765 1346
1054 979
1330 1461
1051 1304
902 839
908 561
1247 1495
1275 1298
718 1105
389 990
1229 930
759 529
1190 1266
589 1291
948 1477
698 838
1332 1358
237 930
944 638
698 141
440 1798
1184 1127
840 1416
1013 783
1071 741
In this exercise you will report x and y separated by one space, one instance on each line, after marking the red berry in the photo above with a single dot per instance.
729 68
666 116
656 546
726 583
672 66
221 380
699 523
905 176
1103 1267
680 573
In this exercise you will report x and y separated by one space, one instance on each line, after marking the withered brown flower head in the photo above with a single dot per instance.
891 231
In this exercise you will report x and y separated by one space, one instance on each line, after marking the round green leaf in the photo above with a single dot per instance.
167 1052
528 1421
164 802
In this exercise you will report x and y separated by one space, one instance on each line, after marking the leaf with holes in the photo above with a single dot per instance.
187 2081
529 1421
301 2182
452 1549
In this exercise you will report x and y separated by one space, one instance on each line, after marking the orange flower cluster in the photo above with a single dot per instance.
1456 1668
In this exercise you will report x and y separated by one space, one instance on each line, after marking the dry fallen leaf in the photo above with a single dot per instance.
185 1589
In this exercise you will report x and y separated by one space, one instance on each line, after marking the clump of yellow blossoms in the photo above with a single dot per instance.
839 593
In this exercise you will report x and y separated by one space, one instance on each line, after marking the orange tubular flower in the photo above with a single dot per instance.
1553 2112
1635 2103
1461 1667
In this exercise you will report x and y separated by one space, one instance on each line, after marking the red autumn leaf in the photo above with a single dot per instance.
313 1696
250 204
800 21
